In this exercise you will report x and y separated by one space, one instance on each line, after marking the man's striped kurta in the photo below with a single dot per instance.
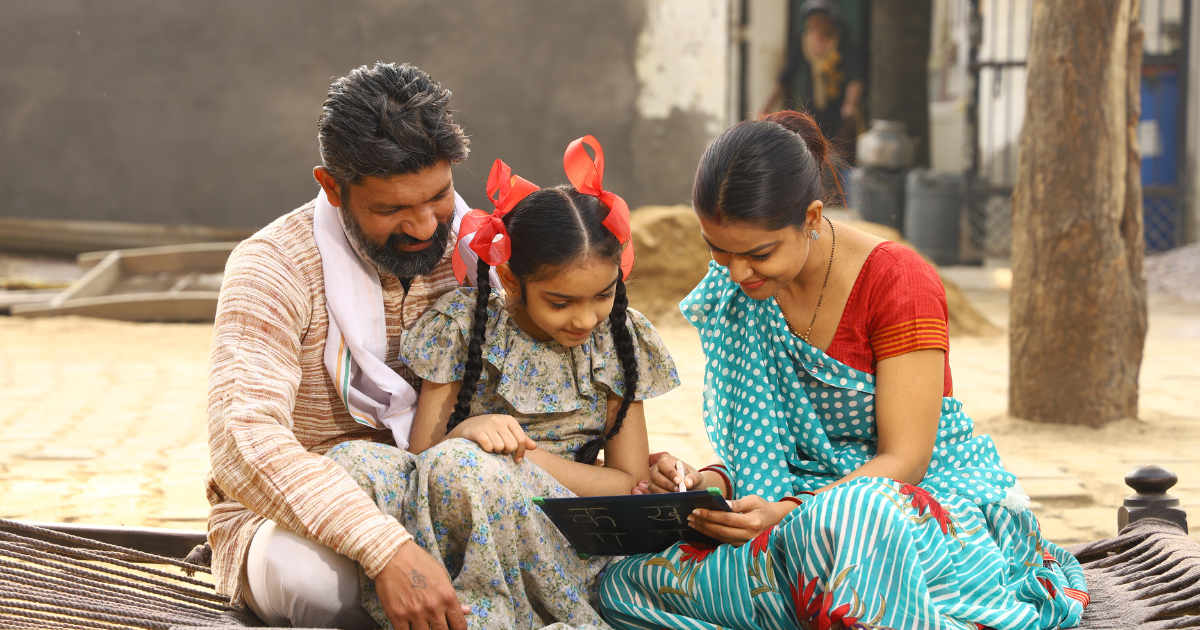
273 410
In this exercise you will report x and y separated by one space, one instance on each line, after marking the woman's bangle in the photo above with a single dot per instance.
798 500
720 470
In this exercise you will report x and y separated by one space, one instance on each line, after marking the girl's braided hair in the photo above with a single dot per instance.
550 229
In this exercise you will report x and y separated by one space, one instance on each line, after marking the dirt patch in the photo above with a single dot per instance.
672 258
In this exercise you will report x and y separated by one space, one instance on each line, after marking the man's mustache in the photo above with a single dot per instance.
406 239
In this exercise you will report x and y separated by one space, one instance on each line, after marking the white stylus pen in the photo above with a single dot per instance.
682 476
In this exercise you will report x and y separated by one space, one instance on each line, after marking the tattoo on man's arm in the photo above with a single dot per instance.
418 580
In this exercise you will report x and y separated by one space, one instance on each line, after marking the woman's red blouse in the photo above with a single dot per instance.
897 306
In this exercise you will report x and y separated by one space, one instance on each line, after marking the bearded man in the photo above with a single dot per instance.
304 358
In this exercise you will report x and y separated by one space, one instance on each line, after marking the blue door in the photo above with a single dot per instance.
1160 136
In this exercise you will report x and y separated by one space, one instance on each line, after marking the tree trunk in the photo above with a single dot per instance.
1079 297
899 67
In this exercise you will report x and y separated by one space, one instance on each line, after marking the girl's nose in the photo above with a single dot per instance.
585 321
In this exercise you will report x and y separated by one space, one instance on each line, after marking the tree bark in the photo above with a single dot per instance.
1079 296
898 77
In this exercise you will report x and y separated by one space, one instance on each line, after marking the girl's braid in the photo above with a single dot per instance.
474 366
623 341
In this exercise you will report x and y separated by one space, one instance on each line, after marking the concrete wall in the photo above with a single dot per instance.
683 61
1190 173
766 35
204 113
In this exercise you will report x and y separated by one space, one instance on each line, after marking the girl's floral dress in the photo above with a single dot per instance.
474 510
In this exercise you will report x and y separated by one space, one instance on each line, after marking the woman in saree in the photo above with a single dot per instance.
860 496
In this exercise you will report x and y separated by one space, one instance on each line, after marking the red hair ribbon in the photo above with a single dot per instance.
491 242
587 176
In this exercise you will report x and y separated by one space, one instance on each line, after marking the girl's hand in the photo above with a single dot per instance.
664 477
495 433
750 517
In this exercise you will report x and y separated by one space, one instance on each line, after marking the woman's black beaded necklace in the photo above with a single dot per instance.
821 298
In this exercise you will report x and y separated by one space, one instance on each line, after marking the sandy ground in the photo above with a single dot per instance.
103 422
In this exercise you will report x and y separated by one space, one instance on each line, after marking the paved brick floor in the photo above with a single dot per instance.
103 422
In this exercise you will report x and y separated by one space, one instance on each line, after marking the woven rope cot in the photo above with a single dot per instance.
79 583
1146 577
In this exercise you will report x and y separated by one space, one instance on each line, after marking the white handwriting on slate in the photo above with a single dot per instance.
615 535
590 518
671 516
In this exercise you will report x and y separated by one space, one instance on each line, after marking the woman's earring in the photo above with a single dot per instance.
814 235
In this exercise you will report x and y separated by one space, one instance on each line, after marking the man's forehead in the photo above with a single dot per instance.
407 189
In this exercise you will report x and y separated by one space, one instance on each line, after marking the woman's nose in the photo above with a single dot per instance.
739 269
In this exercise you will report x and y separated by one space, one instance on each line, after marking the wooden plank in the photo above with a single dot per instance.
9 299
202 257
183 306
172 543
97 281
43 236
184 282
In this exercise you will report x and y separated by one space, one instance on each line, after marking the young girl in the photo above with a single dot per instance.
554 370
544 376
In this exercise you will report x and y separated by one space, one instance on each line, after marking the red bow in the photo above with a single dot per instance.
491 242
587 175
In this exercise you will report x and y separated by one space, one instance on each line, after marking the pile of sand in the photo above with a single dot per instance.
672 258
1174 274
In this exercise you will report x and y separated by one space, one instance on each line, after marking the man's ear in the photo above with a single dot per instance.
512 287
329 185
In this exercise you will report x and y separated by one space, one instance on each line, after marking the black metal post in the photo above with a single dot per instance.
1151 501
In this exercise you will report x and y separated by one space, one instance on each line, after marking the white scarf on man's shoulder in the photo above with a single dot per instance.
356 345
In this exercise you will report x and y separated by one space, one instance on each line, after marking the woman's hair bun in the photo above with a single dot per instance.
767 172
806 127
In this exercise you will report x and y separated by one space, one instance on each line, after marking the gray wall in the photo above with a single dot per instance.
204 112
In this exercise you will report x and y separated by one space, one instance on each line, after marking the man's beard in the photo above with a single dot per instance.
395 261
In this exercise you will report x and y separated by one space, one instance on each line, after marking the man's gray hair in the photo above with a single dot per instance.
387 120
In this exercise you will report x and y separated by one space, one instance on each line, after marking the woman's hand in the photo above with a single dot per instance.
495 433
665 477
750 517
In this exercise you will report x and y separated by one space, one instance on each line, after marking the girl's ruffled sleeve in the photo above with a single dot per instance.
435 348
656 368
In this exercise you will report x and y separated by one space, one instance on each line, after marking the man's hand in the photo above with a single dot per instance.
495 433
416 593
750 517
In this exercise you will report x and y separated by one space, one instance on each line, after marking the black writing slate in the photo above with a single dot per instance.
625 525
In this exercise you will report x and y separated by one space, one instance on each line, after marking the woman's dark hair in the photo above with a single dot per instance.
550 229
387 120
764 172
